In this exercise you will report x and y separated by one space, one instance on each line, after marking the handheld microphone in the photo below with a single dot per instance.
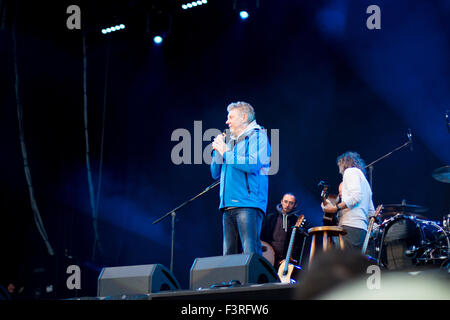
409 134
224 133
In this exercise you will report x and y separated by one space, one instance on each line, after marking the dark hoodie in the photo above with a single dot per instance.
278 233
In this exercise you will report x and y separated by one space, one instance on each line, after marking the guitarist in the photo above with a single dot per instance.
356 205
277 227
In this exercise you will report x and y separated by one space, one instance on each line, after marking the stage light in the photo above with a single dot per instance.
244 15
157 39
245 8
193 4
113 28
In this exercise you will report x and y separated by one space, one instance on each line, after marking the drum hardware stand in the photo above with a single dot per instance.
380 249
429 246
306 235
173 214
383 231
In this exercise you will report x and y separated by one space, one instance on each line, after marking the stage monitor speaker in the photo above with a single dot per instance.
245 268
140 279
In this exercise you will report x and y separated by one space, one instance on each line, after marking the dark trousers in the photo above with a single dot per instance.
242 227
354 239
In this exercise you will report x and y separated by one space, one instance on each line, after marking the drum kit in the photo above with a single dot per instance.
406 239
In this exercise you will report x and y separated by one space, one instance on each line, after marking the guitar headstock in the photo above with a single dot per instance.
300 221
324 192
378 210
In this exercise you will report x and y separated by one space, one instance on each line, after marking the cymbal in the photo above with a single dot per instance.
387 215
404 208
442 174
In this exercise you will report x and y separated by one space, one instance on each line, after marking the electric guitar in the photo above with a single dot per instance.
370 227
329 219
286 269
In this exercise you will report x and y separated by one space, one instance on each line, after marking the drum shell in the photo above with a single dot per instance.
399 235
446 222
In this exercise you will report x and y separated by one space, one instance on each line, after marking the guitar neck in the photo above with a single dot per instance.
369 231
288 254
324 195
370 227
366 239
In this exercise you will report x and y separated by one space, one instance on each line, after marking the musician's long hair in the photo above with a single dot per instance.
350 159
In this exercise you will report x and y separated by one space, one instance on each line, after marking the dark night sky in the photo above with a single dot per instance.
311 69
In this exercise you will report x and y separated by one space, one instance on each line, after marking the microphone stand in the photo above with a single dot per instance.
174 214
305 235
370 165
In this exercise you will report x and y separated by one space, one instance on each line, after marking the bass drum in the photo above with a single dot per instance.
399 240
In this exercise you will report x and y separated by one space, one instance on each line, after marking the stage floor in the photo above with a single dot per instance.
266 291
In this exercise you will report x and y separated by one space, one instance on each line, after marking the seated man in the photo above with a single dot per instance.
277 229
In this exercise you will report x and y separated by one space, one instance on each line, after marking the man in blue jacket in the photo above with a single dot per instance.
242 165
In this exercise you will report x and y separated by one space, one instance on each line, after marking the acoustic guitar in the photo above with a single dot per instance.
268 252
286 269
370 227
329 219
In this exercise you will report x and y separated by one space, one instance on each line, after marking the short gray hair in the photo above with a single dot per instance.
243 107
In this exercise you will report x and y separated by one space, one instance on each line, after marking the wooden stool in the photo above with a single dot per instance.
327 233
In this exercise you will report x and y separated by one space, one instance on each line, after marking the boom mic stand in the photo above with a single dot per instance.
370 165
173 213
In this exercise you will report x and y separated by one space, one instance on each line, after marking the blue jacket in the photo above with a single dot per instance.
243 171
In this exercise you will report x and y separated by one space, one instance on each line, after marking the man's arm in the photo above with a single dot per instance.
216 164
351 183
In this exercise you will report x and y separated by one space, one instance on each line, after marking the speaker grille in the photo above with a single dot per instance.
242 268
141 279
